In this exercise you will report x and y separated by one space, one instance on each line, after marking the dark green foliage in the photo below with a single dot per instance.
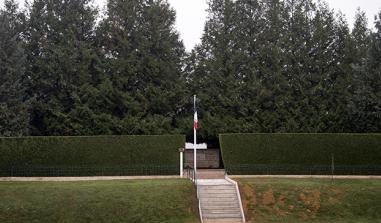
262 66
63 68
91 153
143 57
305 150
14 118
282 66
365 101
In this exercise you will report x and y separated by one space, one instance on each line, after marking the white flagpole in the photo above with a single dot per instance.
194 139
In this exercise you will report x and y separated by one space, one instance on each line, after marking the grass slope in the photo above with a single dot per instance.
99 201
310 200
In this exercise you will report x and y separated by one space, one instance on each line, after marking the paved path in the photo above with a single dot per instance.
211 174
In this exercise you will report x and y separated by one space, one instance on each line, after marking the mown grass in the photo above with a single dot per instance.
98 201
311 200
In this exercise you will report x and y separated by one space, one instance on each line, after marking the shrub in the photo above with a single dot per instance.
90 155
296 153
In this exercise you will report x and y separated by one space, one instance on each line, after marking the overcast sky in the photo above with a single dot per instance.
191 15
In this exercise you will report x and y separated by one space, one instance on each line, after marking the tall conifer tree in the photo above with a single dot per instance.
144 59
14 117
60 64
366 101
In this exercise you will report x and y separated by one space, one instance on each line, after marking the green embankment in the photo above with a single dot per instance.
311 200
90 155
99 201
301 153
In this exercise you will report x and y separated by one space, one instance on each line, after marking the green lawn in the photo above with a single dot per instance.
311 200
99 201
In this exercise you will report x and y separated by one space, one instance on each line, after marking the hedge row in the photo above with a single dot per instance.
301 153
90 154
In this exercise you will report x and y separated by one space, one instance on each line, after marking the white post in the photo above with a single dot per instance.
195 141
181 165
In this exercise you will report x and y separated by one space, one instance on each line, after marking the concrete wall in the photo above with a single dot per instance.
206 158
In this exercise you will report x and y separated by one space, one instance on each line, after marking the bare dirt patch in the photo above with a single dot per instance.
311 201
249 201
268 198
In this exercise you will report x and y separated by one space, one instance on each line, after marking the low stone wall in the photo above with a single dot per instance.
206 158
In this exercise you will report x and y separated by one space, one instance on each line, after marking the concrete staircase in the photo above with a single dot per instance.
219 201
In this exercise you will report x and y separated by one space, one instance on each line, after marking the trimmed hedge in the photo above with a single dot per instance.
301 153
90 155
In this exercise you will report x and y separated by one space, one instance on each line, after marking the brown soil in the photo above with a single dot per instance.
302 202
249 201
311 200
268 198
335 196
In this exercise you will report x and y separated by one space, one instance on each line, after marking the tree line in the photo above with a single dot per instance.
261 66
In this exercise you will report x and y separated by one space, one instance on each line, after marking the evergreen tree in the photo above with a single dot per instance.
14 117
214 77
315 51
321 86
143 57
61 64
365 103
361 37
271 84
250 23
342 78
374 79
262 66
298 49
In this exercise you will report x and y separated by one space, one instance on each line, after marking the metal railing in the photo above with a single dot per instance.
57 171
190 173
291 169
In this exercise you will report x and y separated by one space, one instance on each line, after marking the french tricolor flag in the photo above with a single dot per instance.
195 123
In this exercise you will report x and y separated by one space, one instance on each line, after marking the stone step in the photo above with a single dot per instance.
223 220
219 199
217 187
221 211
211 183
204 195
219 205
216 202
218 182
218 190
216 194
223 206
222 215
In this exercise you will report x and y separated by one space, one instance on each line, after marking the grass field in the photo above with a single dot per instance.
311 200
99 201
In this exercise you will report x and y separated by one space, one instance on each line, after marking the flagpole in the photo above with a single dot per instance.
194 139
